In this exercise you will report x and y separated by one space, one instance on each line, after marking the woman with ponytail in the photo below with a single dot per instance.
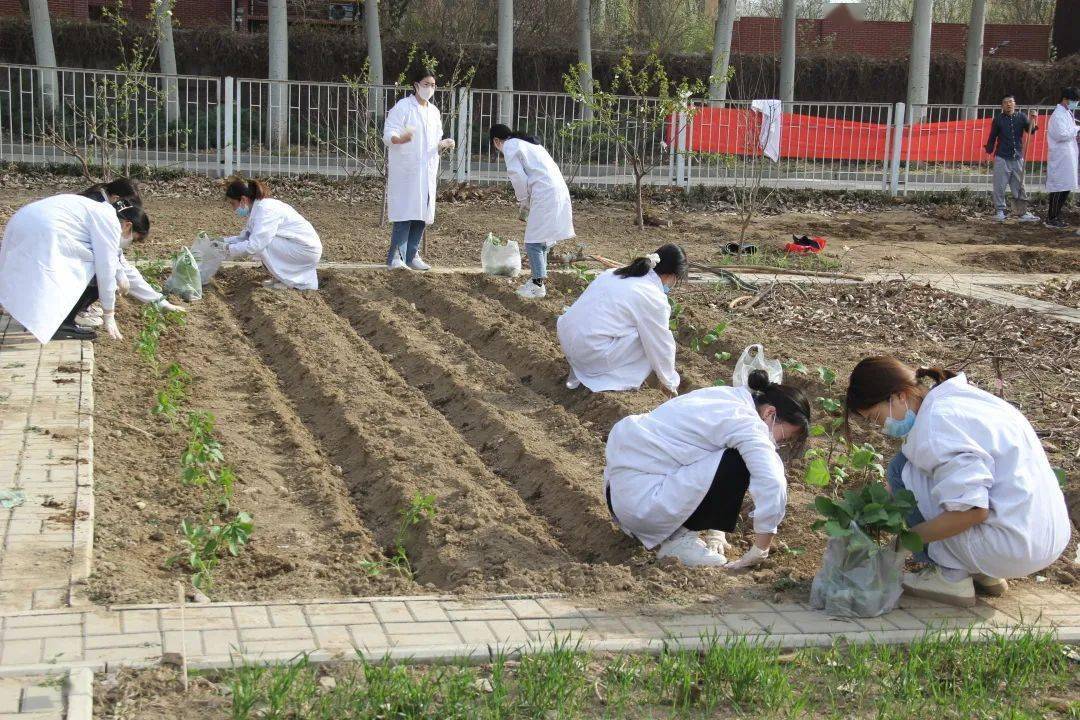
543 200
989 504
60 255
276 235
617 333
686 466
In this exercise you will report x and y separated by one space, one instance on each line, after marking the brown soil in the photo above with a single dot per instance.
1062 292
338 407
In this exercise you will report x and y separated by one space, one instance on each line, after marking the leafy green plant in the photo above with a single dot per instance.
1062 479
676 314
876 511
827 376
203 452
699 344
420 508
171 397
204 545
583 272
792 365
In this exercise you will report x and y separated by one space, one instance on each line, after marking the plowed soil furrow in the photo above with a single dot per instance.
538 447
530 353
392 445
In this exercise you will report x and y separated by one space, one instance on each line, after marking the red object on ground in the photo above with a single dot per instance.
814 245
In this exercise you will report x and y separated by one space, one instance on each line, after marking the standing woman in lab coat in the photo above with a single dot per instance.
276 235
542 197
617 333
59 255
687 465
414 135
1061 155
989 505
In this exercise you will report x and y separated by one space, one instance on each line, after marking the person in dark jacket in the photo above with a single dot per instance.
1009 133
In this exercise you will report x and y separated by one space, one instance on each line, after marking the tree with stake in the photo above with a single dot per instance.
640 105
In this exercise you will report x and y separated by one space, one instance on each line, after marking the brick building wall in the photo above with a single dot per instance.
188 13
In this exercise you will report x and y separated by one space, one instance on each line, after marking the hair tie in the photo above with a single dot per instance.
653 259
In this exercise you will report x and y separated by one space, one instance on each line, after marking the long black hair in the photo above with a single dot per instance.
502 132
421 74
251 189
125 189
790 403
140 221
672 262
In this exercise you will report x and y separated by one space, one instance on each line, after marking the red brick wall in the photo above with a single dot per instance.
188 13
73 9
885 39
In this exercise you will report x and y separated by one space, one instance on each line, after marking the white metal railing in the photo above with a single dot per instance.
218 126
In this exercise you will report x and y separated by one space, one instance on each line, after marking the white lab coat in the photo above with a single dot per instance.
772 114
617 333
137 288
1061 154
971 449
540 187
661 464
283 241
52 249
413 166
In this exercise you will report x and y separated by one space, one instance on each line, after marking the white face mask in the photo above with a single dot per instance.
125 241
425 92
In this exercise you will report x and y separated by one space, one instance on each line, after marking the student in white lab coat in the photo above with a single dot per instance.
61 254
617 333
989 505
276 235
542 197
414 135
687 465
1061 155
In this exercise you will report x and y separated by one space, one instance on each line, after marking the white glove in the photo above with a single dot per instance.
752 557
168 306
123 285
716 540
110 325
447 144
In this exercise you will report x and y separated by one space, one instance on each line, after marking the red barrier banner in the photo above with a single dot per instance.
728 131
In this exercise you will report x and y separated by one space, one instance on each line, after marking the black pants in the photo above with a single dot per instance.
1057 202
719 509
88 298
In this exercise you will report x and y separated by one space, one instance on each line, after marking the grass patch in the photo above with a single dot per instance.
1023 674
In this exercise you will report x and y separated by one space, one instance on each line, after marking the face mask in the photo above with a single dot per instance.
667 288
899 428
1073 104
242 211
424 92
125 242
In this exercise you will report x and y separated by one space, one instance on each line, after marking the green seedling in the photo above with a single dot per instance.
421 508
676 314
722 356
794 366
699 344
172 396
584 273
1059 473
203 546
876 511
827 375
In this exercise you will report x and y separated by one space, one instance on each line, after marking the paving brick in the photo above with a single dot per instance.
333 637
287 616
126 640
10 693
508 631
221 642
43 620
192 642
392 611
21 652
557 607
42 632
102 623
415 628
337 608
876 625
475 632
904 620
295 647
500 613
816 622
426 610
527 609
353 618
608 626
569 623
138 621
642 627
771 623
421 642
368 636
122 654
41 699
268 634
62 650
251 617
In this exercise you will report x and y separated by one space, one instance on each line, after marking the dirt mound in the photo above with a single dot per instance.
1040 261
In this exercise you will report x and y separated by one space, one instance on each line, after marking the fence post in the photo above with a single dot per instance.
464 132
677 148
897 148
229 120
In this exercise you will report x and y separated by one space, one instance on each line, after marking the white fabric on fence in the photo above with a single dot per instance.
771 115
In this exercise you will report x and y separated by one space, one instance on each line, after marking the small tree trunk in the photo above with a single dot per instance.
167 58
640 200
721 54
974 56
44 53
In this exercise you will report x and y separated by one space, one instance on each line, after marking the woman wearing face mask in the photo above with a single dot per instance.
128 278
542 196
687 465
989 505
53 250
617 332
276 235
414 135
1061 155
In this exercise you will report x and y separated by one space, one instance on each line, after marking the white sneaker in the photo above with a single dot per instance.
572 383
1029 218
716 540
95 310
419 265
689 549
531 290
397 263
929 583
992 586
87 320
275 285
1000 216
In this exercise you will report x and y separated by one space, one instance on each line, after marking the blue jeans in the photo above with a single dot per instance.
537 253
894 475
405 240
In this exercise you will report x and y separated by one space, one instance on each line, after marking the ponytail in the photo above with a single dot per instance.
667 260
502 132
251 189
938 375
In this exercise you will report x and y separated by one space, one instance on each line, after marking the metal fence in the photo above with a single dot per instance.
218 126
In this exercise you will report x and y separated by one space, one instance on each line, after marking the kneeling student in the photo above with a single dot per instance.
989 504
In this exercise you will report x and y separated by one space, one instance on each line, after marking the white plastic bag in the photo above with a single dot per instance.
209 254
500 258
184 280
858 578
753 358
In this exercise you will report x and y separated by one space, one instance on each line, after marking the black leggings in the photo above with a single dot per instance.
1057 202
88 298
719 509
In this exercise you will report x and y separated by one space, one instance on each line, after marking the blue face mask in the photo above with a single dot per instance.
242 211
667 289
899 428
1073 104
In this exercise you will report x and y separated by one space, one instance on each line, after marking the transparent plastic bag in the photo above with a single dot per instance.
209 253
184 280
858 577
753 358
500 258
